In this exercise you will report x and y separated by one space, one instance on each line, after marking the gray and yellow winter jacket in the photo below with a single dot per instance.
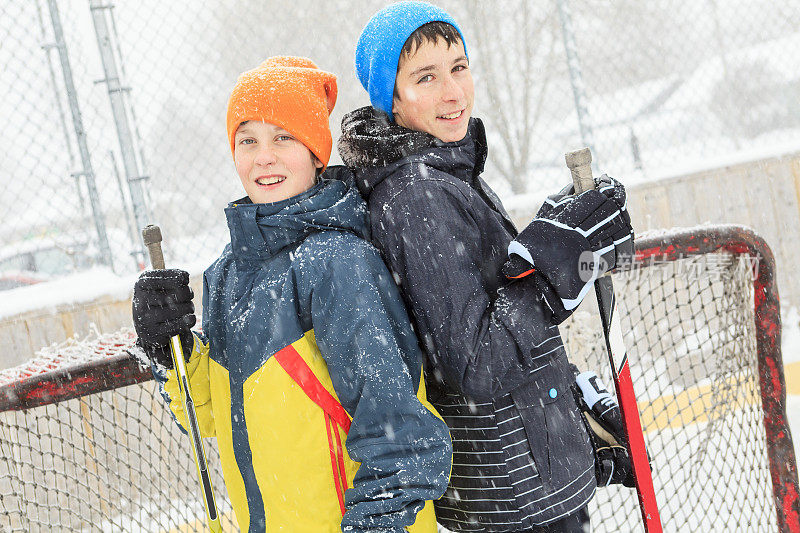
311 376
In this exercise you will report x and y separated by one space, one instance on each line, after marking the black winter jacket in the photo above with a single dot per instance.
498 371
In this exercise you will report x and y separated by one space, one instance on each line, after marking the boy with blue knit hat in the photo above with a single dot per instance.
523 458
307 371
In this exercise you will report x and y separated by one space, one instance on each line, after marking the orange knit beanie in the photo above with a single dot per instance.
290 92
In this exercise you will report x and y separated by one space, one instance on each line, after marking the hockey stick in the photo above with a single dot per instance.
152 239
580 165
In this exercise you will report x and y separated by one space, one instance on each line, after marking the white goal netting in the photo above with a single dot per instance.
86 443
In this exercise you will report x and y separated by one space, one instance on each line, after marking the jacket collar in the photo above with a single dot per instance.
376 148
261 231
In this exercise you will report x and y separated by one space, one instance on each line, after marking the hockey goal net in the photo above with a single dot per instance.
86 443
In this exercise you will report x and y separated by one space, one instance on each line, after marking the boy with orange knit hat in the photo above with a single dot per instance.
307 371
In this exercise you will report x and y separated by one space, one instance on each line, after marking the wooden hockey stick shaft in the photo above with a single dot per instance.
151 235
580 165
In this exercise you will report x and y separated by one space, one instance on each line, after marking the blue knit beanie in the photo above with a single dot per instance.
381 41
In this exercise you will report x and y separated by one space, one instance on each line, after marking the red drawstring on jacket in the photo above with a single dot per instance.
294 365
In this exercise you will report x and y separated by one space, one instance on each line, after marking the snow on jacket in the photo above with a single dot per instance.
309 344
521 454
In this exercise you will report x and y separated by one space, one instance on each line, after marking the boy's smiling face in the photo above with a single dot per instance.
272 164
434 92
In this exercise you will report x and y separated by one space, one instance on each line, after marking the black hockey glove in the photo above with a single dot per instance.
573 241
162 307
604 423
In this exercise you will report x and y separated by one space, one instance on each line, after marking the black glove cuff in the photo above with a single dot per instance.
162 354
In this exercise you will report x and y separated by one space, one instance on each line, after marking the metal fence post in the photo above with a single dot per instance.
47 47
80 135
126 142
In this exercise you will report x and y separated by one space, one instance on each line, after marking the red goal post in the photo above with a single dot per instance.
744 242
85 439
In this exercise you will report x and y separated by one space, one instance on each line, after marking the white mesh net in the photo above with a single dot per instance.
116 461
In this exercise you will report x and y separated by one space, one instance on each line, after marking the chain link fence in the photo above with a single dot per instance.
114 114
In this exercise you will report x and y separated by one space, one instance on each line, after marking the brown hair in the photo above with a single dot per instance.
430 32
